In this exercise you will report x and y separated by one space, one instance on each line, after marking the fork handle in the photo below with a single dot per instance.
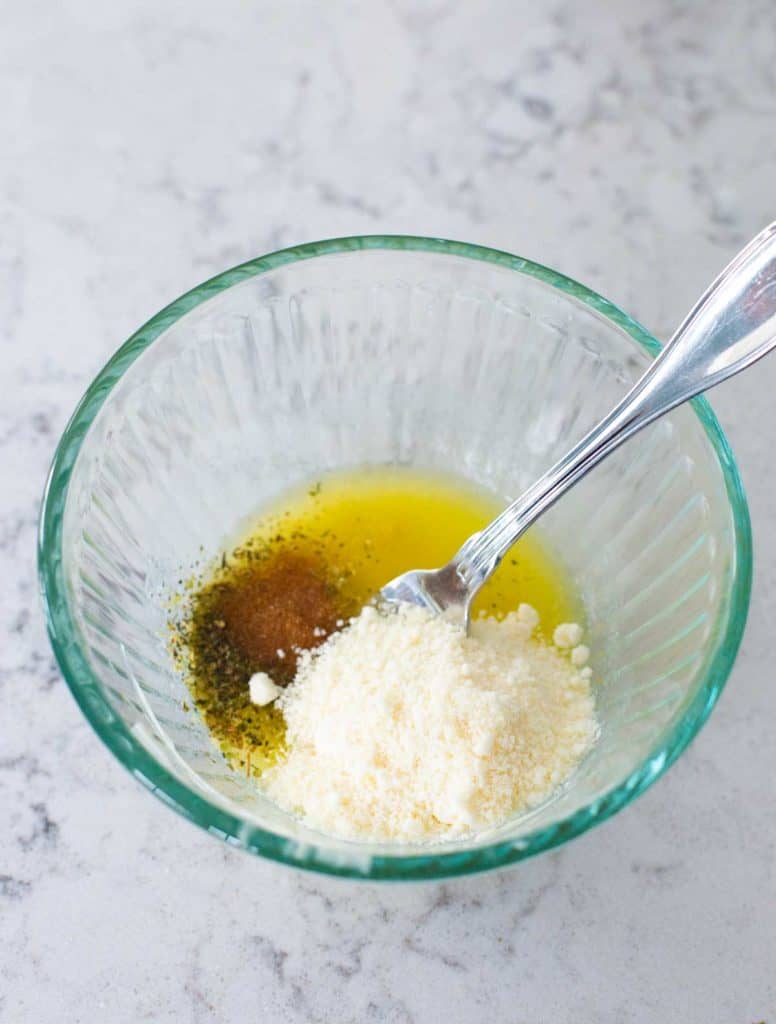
732 325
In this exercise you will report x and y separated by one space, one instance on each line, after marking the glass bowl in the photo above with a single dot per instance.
389 350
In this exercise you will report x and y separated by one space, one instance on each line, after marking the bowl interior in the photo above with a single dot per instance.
420 355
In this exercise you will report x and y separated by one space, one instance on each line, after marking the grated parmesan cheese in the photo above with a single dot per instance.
401 727
567 634
262 690
580 655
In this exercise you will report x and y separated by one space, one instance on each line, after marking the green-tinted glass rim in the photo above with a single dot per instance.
434 864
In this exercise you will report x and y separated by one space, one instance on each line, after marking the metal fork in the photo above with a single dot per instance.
731 326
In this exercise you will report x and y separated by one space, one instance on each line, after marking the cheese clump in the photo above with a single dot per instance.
402 727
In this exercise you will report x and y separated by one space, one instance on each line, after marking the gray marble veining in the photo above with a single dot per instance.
148 146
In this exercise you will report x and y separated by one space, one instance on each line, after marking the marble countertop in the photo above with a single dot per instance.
147 146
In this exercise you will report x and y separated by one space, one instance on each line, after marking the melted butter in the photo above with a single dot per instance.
332 545
371 525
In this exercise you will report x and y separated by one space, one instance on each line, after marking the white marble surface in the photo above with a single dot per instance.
146 146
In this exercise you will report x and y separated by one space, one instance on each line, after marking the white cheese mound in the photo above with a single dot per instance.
401 727
262 690
567 634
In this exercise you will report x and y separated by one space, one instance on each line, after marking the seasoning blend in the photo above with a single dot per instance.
310 564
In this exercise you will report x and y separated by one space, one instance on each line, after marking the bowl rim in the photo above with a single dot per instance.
434 864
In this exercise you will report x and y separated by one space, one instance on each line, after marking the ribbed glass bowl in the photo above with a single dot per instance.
389 350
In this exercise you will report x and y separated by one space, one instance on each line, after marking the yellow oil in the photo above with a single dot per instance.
356 531
370 525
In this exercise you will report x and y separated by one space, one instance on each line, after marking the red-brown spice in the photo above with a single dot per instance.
279 606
